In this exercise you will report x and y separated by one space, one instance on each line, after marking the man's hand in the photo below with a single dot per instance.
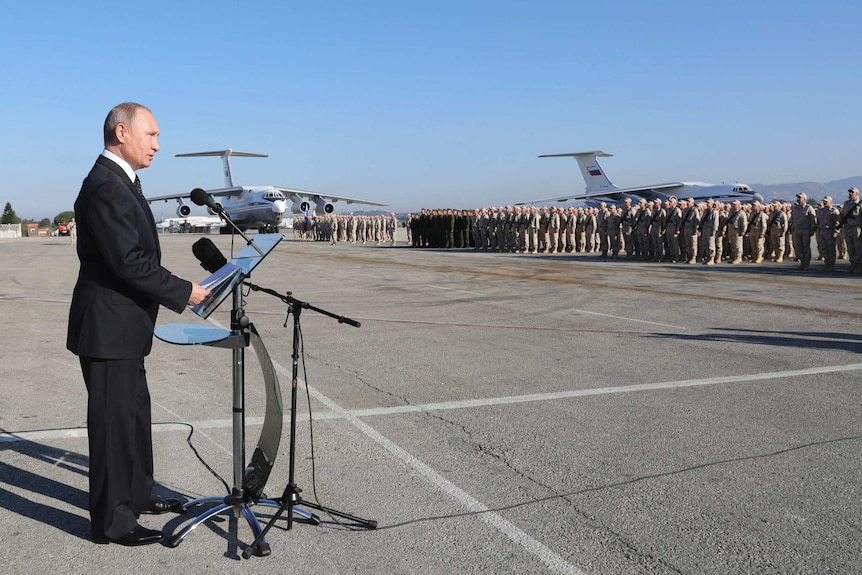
198 294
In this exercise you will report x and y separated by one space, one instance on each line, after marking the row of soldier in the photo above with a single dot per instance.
660 230
349 228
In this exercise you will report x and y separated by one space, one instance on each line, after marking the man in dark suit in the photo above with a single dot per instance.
121 284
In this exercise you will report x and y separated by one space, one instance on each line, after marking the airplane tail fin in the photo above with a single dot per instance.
225 157
594 175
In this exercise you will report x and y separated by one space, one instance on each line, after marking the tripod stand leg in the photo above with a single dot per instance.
366 523
311 517
260 545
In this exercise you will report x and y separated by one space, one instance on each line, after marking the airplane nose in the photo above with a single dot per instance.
757 197
278 206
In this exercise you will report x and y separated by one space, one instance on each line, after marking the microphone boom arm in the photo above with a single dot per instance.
292 301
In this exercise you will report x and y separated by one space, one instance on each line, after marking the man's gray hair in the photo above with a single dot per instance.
120 114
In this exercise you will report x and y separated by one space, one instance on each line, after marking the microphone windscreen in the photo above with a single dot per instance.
200 197
208 254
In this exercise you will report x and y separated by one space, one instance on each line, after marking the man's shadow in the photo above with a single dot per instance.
19 476
73 523
24 478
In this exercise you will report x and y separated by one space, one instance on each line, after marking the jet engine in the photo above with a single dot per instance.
300 206
324 207
184 210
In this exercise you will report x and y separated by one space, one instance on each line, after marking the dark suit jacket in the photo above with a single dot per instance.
121 281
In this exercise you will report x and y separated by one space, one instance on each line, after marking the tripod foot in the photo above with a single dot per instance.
261 550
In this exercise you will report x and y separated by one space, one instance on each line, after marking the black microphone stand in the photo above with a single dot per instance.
291 496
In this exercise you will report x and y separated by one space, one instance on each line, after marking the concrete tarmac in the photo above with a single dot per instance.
495 413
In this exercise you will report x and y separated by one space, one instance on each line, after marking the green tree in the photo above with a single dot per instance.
9 216
63 217
44 223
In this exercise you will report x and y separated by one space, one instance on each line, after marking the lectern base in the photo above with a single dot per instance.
229 505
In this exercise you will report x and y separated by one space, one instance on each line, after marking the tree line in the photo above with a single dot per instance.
10 217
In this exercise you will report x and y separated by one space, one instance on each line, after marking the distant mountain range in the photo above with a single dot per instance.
815 191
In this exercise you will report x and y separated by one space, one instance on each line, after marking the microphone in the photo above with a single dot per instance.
201 198
208 254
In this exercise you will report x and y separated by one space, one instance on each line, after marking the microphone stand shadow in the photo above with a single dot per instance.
291 497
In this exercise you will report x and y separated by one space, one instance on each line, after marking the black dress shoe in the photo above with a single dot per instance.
138 536
160 506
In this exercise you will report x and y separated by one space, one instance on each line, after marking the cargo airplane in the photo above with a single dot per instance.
601 189
259 207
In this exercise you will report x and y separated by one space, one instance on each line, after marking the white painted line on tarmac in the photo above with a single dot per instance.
454 289
627 318
379 277
78 432
533 397
552 560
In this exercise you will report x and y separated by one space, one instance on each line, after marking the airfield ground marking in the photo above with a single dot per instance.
79 432
455 289
379 277
627 318
552 560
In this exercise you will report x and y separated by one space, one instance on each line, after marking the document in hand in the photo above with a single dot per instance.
221 284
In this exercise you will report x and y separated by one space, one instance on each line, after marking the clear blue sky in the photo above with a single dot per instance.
433 104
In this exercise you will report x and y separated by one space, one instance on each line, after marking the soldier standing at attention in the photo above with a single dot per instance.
544 225
673 227
590 229
644 219
804 226
777 227
757 232
737 224
708 230
628 217
553 229
690 224
533 223
580 230
851 223
570 230
790 253
602 221
614 222
827 224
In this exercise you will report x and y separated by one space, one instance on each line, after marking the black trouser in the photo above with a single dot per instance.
121 447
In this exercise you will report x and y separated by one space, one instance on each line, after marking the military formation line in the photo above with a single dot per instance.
334 228
673 230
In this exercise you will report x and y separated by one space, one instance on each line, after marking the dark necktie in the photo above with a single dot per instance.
138 186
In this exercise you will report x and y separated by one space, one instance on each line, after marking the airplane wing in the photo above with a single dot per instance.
658 191
219 192
303 194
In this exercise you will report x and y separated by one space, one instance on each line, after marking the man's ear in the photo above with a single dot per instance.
120 132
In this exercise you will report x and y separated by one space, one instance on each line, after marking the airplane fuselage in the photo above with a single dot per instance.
260 207
255 206
698 191
600 189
